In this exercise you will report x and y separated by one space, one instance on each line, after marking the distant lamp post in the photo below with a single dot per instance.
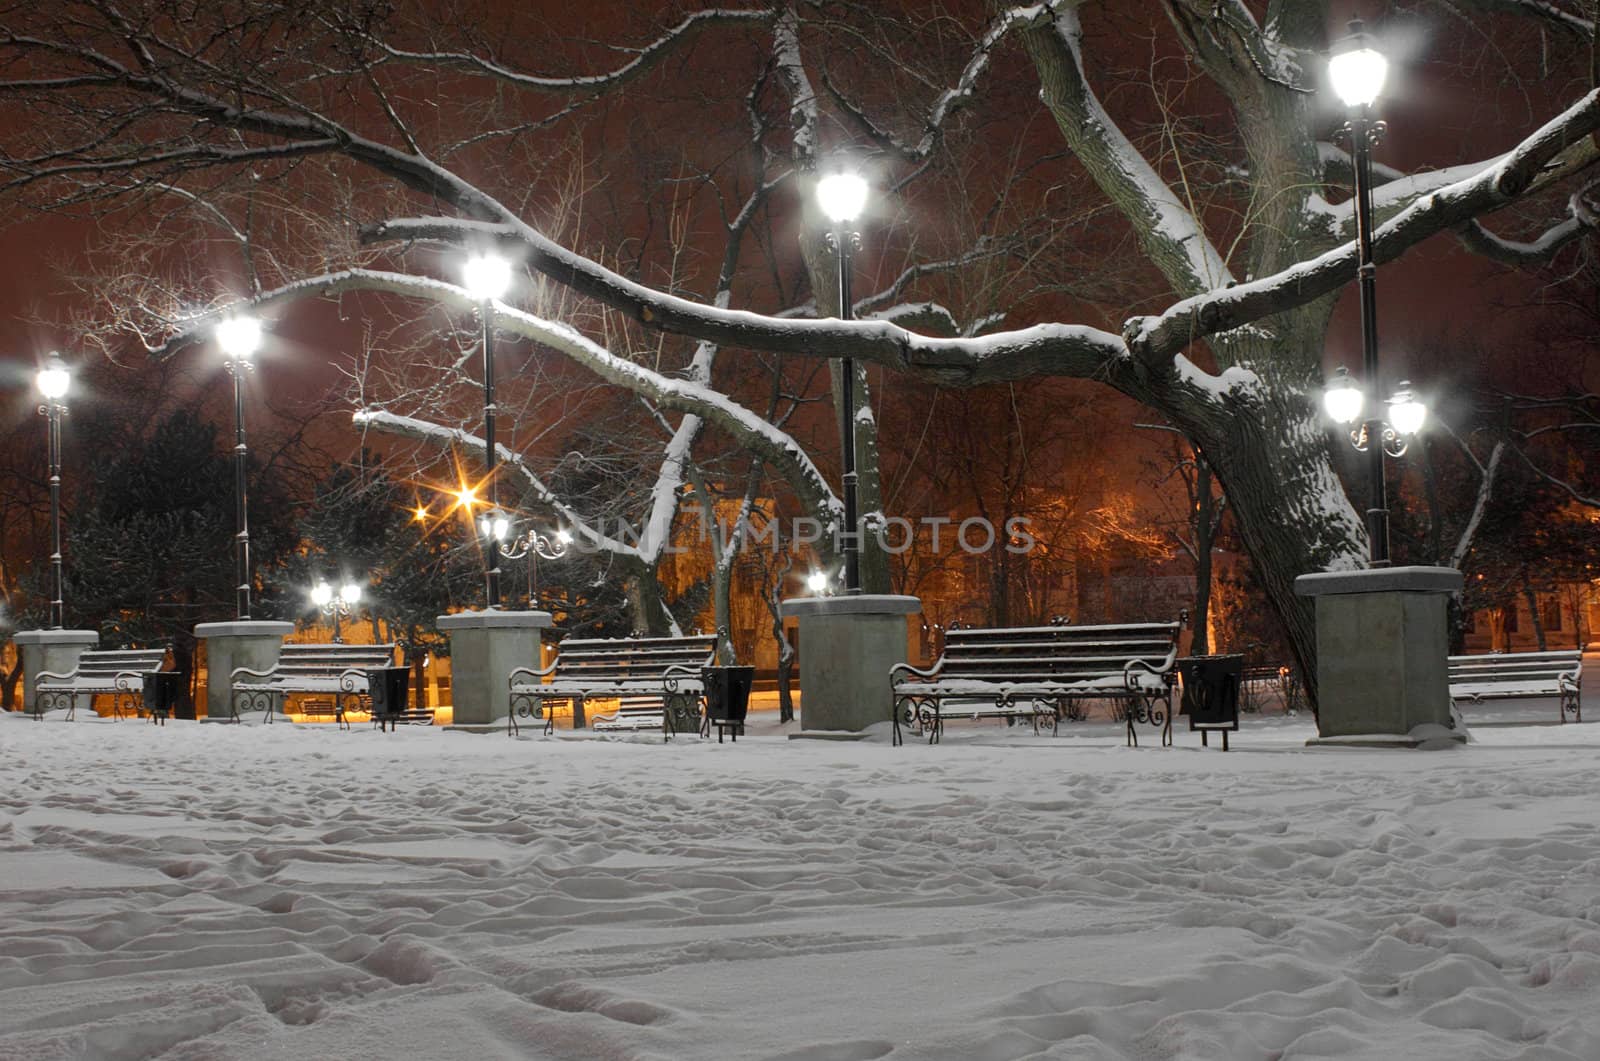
842 196
486 277
337 605
532 544
1357 71
53 382
819 584
240 338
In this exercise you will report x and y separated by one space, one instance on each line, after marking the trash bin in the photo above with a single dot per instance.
163 696
1211 693
390 690
727 697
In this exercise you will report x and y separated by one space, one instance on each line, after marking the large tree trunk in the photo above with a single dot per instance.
650 615
1269 449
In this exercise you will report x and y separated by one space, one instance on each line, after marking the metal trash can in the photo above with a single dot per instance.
1211 693
163 696
390 690
727 697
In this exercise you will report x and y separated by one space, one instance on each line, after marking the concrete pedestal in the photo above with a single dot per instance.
485 647
253 643
56 651
1382 642
847 645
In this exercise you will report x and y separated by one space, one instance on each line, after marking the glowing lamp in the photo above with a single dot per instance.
842 196
487 276
1406 414
54 380
1342 399
1357 69
239 337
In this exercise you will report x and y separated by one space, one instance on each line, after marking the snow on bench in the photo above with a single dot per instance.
337 672
1034 672
1510 675
654 679
118 673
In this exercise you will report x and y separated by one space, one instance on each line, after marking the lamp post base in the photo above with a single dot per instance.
847 645
253 643
56 651
485 647
1382 643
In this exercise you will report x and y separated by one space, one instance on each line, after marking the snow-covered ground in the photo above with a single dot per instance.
204 892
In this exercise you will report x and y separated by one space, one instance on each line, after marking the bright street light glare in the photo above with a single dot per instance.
239 336
487 276
54 380
1358 74
321 594
1343 399
1406 414
842 196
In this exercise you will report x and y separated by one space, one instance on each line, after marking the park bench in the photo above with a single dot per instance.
1037 673
1512 675
118 673
333 676
654 679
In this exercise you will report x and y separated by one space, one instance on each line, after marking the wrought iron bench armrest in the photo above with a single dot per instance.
532 672
906 668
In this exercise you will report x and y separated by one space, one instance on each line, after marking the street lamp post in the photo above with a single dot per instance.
532 544
486 277
53 382
239 338
842 197
1357 71
337 605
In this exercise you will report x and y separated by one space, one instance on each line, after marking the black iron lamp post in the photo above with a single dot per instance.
1357 71
486 277
53 382
842 197
338 604
532 544
240 338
